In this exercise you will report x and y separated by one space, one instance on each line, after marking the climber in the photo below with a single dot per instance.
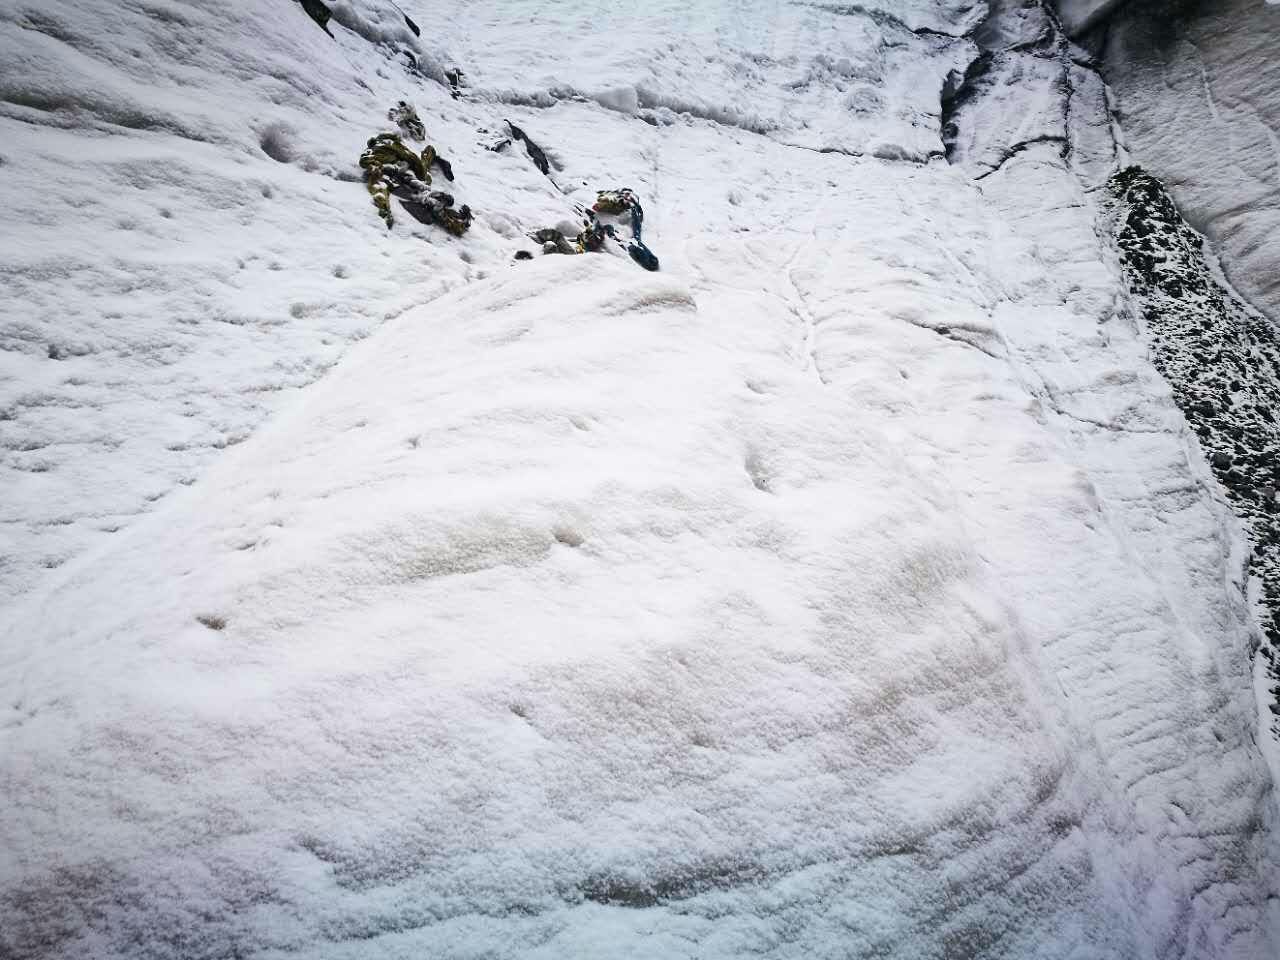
391 167
595 231
642 255
406 118
620 200
437 207
624 200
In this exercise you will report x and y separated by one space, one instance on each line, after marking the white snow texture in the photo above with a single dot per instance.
852 587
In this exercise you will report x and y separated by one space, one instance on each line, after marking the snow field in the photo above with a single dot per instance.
197 242
850 587
692 688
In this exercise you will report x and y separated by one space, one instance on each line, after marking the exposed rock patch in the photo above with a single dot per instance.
1222 360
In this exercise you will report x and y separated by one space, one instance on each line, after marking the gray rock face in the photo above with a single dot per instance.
1079 15
1028 88
1197 87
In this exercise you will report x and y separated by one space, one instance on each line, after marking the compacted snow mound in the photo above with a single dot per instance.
852 587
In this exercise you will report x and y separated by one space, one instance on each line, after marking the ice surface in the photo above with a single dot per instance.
851 587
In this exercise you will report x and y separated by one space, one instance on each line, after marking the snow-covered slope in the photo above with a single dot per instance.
1197 89
186 238
851 587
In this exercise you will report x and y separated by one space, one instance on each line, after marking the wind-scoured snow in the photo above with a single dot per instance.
851 78
851 587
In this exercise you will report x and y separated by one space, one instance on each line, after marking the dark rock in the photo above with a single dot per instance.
1205 341
535 152
319 12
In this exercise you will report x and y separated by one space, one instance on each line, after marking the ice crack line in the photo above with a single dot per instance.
1023 145
796 302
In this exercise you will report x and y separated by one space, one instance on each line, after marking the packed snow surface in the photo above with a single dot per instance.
851 587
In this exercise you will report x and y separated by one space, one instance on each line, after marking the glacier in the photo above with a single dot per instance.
857 585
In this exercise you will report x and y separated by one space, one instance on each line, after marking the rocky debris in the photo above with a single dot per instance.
1222 360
